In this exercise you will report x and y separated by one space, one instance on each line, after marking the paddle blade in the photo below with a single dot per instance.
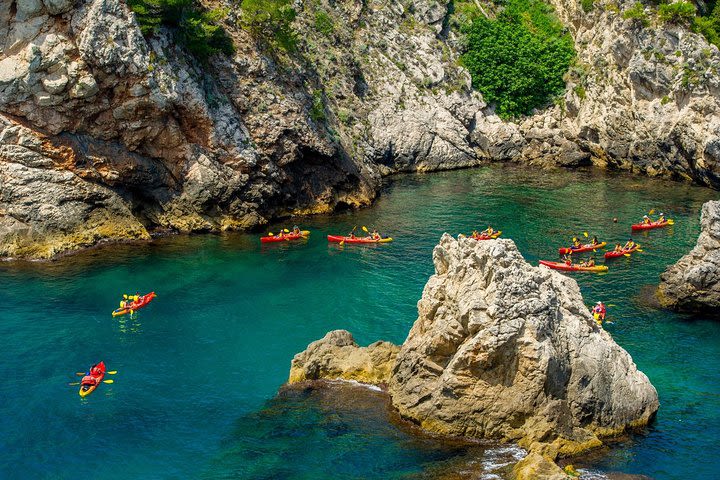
270 234
80 374
671 222
74 383
286 230
108 381
585 234
651 211
342 242
364 228
638 250
626 254
112 372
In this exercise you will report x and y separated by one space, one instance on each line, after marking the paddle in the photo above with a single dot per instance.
586 234
342 242
651 211
82 374
270 234
104 381
671 222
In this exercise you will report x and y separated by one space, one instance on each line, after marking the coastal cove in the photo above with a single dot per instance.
199 369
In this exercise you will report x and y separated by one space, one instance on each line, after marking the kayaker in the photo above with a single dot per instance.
475 234
588 263
375 235
595 240
630 244
568 259
576 243
599 311
296 230
618 248
661 219
646 220
488 231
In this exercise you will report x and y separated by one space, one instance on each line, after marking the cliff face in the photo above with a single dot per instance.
501 350
107 135
693 283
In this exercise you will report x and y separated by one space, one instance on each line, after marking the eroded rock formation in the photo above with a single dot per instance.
693 283
503 350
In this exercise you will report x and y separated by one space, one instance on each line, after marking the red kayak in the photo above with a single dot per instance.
135 306
648 226
573 268
583 248
90 382
286 237
615 254
340 238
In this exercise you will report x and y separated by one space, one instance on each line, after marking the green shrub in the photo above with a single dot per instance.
678 12
195 28
637 12
587 5
517 60
323 23
709 26
317 109
270 21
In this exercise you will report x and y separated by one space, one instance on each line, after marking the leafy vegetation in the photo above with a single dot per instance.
637 12
323 23
587 5
678 12
518 59
195 28
317 110
271 21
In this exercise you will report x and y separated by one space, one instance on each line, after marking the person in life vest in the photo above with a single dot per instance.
576 243
296 230
567 259
599 312
91 376
646 220
618 248
661 219
630 244
595 240
475 234
488 231
588 263
375 235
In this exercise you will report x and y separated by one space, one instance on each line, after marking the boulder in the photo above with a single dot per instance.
693 283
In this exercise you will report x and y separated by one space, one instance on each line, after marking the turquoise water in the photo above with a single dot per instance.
199 369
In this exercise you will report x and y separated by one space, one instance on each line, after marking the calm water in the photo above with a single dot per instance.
199 369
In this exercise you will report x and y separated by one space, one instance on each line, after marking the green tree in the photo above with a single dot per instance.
270 20
195 28
678 12
518 60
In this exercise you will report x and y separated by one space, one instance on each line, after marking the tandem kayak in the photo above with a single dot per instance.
648 226
134 306
582 248
90 382
285 238
340 238
486 237
615 254
573 268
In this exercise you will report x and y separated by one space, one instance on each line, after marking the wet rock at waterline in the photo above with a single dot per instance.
505 350
693 283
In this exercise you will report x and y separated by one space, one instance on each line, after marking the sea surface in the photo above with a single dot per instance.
197 393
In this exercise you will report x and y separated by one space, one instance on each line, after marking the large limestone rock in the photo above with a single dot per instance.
693 283
505 350
338 357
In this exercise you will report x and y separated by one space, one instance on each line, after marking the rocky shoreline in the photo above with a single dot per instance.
693 283
500 350
108 135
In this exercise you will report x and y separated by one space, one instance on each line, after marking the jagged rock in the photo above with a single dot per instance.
502 349
337 356
693 283
536 467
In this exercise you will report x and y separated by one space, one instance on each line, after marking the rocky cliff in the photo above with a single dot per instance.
504 350
107 135
693 283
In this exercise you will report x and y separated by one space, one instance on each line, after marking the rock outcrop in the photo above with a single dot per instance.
507 351
337 356
693 283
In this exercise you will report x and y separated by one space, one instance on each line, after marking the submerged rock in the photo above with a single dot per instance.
503 350
693 283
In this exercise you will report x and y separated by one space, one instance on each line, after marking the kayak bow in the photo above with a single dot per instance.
583 248
573 268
